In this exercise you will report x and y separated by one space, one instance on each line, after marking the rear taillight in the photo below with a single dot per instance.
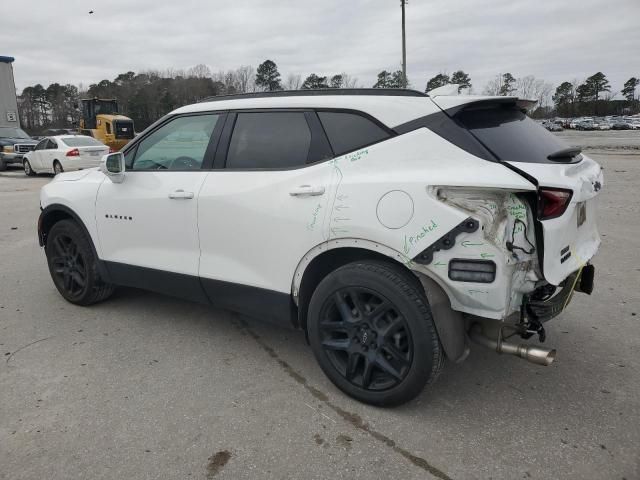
552 202
73 153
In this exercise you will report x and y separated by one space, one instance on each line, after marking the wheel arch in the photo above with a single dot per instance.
327 257
56 212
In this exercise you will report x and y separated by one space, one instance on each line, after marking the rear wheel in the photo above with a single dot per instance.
27 169
3 166
74 266
57 168
371 330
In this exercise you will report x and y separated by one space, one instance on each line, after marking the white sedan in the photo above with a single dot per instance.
63 153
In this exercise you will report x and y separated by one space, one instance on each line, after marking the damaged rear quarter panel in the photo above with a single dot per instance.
415 163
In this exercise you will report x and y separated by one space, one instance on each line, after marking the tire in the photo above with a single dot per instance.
3 166
57 168
73 265
371 330
27 169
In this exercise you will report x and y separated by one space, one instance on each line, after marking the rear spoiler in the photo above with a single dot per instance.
454 104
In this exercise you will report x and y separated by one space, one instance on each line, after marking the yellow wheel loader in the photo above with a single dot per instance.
100 120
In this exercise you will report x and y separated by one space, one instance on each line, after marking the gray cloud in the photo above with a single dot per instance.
555 41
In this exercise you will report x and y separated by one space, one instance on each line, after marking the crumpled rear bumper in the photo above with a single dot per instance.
579 281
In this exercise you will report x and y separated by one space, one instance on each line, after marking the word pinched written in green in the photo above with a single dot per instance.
411 240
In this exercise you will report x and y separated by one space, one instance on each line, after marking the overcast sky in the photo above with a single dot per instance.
59 41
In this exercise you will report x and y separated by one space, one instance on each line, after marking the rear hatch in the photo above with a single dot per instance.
568 182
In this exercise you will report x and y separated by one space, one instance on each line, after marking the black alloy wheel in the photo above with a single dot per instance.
68 266
73 264
371 330
365 338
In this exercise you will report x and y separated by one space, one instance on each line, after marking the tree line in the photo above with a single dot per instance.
593 97
147 96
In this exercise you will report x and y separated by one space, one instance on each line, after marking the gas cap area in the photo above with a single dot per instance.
395 209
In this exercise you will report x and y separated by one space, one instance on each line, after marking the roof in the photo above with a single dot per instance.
392 107
6 59
393 92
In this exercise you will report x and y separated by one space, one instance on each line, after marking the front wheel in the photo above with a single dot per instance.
371 331
74 266
27 169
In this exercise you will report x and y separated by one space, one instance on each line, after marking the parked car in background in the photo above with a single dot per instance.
552 126
621 125
62 153
585 125
14 144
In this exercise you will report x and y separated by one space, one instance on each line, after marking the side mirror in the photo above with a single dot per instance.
113 166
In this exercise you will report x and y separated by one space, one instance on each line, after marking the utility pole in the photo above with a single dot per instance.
404 47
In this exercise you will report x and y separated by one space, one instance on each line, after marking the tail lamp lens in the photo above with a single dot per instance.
73 153
552 202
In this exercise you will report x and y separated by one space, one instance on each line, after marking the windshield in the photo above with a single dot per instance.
81 142
106 107
13 132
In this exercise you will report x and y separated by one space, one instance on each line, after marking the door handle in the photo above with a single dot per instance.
181 195
307 191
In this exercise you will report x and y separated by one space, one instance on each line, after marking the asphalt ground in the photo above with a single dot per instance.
146 386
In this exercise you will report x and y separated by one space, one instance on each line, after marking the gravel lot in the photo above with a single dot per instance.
144 386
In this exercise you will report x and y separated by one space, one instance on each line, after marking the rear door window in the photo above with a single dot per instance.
269 140
510 134
350 131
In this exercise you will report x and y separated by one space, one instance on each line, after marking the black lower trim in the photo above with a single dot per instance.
262 304
259 303
173 284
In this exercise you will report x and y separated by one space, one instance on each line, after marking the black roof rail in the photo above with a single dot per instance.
393 92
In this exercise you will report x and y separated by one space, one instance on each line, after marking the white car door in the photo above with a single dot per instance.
259 216
52 153
35 157
148 223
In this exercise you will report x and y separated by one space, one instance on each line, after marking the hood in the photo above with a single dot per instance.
13 140
73 176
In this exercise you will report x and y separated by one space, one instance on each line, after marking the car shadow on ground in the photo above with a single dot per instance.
474 384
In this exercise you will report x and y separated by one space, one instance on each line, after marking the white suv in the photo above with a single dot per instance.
389 225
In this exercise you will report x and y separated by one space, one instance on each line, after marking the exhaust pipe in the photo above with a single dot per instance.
532 353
